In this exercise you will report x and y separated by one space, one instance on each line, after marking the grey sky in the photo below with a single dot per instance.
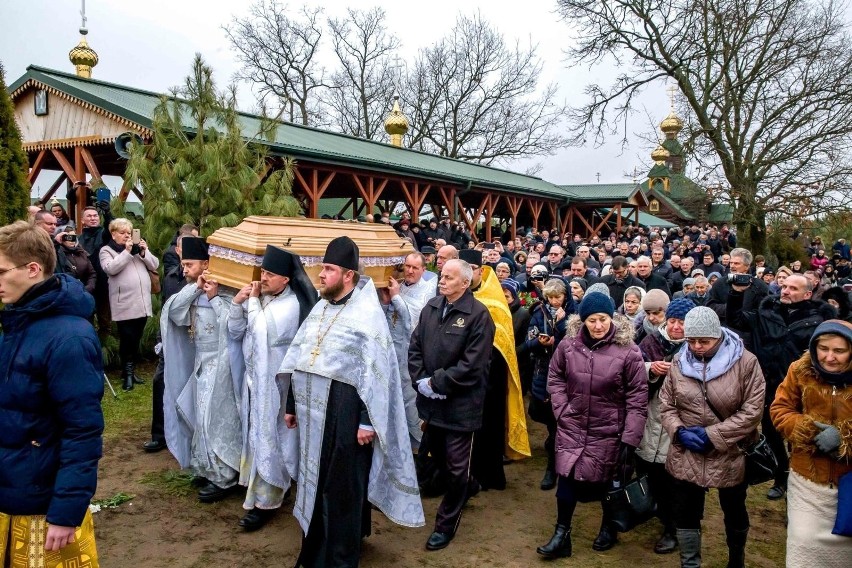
150 45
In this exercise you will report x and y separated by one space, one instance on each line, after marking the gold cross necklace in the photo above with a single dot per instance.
320 334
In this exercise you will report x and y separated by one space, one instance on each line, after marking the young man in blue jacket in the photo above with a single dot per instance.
51 423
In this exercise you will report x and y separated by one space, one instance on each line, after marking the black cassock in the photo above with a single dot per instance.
490 440
341 516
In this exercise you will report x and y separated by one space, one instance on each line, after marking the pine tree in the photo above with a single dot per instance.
203 168
14 187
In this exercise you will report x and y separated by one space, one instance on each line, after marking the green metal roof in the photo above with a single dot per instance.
721 213
601 191
645 219
304 142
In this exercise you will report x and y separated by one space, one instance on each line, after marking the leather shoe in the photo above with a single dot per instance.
548 482
606 539
138 380
438 540
212 493
255 519
152 446
198 482
776 493
666 544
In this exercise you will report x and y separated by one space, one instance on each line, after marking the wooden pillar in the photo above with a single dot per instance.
313 188
38 164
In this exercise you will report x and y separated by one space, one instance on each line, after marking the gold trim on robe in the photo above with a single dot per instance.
22 544
490 293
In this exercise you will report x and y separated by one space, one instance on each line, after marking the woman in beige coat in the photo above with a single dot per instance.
715 375
127 265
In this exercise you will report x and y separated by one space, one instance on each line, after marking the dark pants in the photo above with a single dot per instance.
689 505
660 482
129 338
102 309
157 418
569 492
452 450
777 444
487 465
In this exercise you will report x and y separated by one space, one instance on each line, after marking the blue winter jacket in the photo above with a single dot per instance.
51 384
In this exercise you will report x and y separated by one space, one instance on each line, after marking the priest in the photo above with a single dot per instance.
202 375
264 319
346 399
504 426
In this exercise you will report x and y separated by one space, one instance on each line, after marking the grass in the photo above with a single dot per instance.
131 409
114 501
175 483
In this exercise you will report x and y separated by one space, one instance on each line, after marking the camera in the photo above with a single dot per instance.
739 279
69 238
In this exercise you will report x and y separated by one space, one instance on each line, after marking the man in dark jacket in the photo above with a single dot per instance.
652 281
780 328
753 294
619 280
51 422
92 238
450 378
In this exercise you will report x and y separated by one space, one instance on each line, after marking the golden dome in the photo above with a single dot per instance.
396 124
84 58
671 124
660 154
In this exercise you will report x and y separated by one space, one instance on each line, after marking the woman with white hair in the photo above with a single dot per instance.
128 265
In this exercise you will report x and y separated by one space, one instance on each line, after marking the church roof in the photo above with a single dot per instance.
623 192
299 142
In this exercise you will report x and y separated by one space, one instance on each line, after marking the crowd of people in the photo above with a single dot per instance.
659 354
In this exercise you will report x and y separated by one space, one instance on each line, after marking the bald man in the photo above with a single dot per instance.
445 253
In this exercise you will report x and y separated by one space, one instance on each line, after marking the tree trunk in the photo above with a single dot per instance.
750 221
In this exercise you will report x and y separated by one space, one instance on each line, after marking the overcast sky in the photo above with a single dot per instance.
150 45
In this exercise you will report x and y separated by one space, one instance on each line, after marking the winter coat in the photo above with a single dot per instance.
520 325
699 300
617 289
734 384
129 282
663 269
802 399
656 282
818 262
655 440
779 335
726 301
599 397
78 265
50 404
541 322
454 351
676 281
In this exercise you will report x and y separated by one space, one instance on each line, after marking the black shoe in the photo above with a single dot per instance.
559 545
198 482
473 490
212 493
152 446
777 492
548 482
255 519
438 540
127 377
607 537
667 543
137 380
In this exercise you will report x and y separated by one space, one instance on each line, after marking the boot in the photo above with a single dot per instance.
548 482
607 537
736 540
559 545
127 377
689 541
667 542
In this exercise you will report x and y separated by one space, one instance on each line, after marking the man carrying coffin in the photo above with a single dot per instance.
346 394
264 319
201 374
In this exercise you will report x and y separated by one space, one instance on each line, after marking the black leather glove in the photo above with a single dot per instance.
626 463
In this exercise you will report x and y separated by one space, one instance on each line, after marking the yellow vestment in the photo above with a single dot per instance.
22 544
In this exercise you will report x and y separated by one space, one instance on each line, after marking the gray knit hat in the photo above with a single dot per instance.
702 322
599 287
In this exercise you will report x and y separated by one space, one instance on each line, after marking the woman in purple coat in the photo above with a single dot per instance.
599 392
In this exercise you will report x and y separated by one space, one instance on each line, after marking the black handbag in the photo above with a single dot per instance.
630 505
760 461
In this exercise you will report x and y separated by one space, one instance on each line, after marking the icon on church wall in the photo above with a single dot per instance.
40 102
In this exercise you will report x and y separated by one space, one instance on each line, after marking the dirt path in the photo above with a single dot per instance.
162 527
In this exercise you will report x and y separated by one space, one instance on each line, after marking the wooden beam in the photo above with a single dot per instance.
583 220
59 181
37 166
125 190
535 208
551 206
604 221
80 190
90 162
65 165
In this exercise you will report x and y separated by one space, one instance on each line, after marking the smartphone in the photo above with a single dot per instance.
135 236
488 246
104 194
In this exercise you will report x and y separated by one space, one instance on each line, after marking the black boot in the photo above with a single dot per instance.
736 540
607 537
559 545
548 482
127 377
666 543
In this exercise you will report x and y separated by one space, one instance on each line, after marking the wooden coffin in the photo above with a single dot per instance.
236 253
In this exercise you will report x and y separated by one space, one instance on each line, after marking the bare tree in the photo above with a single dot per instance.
765 83
470 96
279 58
363 85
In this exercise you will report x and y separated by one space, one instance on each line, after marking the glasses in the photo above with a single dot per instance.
4 271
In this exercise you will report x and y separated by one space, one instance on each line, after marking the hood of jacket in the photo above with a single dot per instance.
65 295
624 330
728 353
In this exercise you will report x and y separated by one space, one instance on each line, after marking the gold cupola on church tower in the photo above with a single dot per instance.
83 57
396 125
